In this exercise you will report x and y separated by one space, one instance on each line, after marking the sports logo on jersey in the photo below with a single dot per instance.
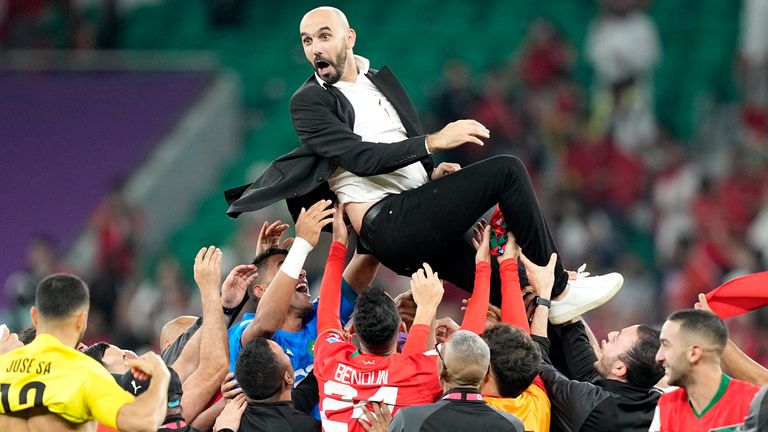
369 362
333 338
289 352
135 387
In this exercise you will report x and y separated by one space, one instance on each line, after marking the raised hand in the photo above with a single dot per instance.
457 133
231 414
236 284
340 233
147 366
8 341
444 328
426 287
229 388
270 236
541 278
481 241
311 221
702 304
511 249
208 268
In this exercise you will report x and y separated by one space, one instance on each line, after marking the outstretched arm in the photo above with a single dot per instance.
735 362
274 304
512 306
427 290
330 290
213 350
477 309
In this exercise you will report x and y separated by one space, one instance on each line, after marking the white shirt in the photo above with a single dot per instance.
375 121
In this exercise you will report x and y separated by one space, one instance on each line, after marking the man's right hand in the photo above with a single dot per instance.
457 133
426 287
208 268
147 366
311 222
236 284
270 236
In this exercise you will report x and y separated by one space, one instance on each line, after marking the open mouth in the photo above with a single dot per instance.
302 287
322 67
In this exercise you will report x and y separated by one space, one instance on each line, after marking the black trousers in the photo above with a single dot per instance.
427 224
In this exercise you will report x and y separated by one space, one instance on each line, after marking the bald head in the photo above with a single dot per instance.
328 42
174 328
467 358
327 14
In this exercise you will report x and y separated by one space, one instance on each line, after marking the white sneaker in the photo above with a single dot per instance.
585 294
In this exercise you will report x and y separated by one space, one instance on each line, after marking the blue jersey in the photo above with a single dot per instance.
297 345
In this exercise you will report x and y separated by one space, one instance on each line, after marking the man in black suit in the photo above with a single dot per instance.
362 143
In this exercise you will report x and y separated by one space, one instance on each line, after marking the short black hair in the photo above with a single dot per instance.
258 370
376 319
642 369
515 359
702 323
27 335
260 258
61 295
96 351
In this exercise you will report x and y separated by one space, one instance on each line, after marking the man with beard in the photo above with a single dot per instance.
611 393
692 344
49 386
362 144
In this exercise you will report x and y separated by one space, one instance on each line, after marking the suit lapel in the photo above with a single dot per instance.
390 87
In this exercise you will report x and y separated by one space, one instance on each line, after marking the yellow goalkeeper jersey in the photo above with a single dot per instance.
532 406
47 374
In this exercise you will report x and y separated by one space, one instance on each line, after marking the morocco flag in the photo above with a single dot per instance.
739 295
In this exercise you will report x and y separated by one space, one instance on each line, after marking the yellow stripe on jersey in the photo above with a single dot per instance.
65 381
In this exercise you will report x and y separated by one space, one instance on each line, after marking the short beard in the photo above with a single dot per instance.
338 68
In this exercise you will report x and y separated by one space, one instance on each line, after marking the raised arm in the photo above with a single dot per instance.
477 309
427 290
361 271
274 304
512 306
201 385
735 362
147 412
542 279
330 290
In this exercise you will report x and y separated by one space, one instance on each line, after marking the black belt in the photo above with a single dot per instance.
367 230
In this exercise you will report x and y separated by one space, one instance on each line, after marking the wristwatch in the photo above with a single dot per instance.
538 301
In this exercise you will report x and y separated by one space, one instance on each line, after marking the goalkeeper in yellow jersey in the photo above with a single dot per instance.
49 386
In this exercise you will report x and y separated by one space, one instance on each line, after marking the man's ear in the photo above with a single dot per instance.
619 369
258 290
403 327
351 328
351 38
82 321
695 353
35 316
288 379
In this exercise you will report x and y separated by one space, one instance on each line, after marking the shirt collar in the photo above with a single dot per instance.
363 66
471 394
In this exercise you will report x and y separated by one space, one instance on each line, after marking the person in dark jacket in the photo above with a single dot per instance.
463 364
612 390
264 372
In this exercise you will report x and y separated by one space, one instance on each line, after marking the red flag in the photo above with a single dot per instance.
740 295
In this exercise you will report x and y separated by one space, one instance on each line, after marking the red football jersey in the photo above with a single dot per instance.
726 412
348 380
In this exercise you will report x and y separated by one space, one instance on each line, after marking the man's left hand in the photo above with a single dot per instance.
444 168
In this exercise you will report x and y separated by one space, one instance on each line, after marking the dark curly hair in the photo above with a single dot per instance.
515 358
376 319
642 369
258 370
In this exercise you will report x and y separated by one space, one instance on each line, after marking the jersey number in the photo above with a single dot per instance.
23 395
346 396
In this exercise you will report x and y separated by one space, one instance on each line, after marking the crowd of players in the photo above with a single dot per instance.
264 356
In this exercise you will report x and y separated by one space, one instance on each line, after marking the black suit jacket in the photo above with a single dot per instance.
324 120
